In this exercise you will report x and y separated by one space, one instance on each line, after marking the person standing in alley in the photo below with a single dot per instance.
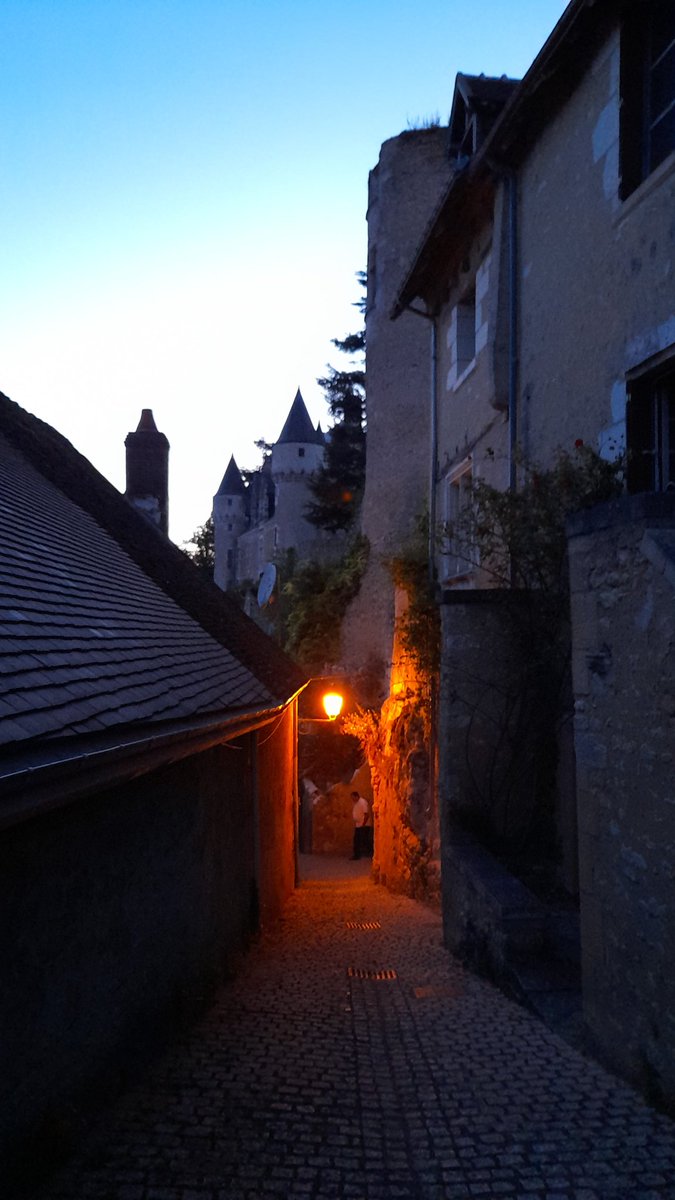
360 817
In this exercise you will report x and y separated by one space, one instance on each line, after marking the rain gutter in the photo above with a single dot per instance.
433 435
59 773
512 186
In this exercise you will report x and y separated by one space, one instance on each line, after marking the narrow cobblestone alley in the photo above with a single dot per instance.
353 1058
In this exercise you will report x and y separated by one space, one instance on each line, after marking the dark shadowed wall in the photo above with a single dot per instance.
120 914
278 806
622 569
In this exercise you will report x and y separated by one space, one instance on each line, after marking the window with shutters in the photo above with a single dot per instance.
647 91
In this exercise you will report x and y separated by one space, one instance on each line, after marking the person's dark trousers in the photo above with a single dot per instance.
360 848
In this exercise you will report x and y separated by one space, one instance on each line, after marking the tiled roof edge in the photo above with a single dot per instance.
61 770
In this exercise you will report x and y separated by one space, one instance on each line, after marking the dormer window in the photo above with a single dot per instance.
465 146
476 104
462 131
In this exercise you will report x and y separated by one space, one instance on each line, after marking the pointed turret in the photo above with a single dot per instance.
147 461
232 484
300 448
298 428
229 522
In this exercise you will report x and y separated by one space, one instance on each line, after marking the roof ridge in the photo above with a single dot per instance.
57 460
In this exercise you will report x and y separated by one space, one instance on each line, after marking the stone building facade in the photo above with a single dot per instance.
546 277
403 190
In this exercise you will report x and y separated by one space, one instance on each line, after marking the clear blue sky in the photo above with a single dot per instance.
183 203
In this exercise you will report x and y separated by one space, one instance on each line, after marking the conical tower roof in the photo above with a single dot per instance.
233 484
147 432
147 420
298 427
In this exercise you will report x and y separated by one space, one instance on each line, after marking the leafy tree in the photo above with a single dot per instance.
314 599
201 548
337 486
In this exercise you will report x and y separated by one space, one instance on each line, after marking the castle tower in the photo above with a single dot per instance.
147 471
403 191
229 522
255 525
300 447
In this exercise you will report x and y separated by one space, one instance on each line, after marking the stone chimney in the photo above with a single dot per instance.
148 471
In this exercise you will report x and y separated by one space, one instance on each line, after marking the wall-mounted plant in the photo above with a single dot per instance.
419 627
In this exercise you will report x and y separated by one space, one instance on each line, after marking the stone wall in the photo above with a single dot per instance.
490 919
407 851
498 733
119 914
404 189
622 564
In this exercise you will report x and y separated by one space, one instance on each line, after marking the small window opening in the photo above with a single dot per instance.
650 433
466 331
457 500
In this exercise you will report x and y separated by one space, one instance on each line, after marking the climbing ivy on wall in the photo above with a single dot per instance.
517 538
419 627
313 601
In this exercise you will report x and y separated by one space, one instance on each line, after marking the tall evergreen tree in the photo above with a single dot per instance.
337 486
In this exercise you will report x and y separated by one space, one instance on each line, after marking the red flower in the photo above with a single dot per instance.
579 443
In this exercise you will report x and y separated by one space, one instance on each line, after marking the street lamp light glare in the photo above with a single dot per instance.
332 703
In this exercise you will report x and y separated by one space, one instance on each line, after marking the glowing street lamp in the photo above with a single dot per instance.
332 703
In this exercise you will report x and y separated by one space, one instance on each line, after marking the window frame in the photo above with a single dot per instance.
639 157
456 498
650 427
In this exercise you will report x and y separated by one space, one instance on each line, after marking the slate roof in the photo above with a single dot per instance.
103 622
232 482
483 97
488 90
298 426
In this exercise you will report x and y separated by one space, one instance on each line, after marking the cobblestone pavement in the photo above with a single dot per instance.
353 1058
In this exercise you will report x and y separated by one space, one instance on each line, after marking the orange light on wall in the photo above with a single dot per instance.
332 703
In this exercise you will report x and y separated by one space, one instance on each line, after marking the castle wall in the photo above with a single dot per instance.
288 529
229 522
404 189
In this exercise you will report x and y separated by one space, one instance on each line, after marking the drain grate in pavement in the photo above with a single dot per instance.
436 990
363 925
385 973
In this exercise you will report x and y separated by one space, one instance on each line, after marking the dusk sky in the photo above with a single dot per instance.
183 203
